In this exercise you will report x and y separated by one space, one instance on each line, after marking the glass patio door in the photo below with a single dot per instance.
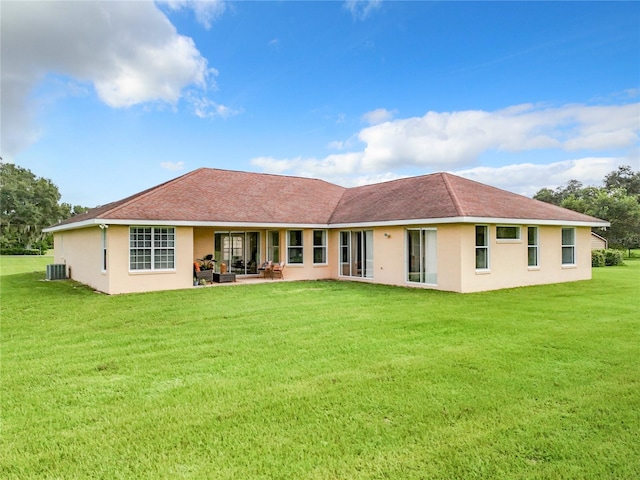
356 253
422 265
240 251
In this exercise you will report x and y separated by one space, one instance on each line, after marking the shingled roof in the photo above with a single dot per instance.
224 196
444 196
212 195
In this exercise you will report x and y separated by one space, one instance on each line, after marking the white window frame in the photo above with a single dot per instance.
273 249
533 247
292 248
320 248
568 246
347 251
516 239
482 247
427 256
156 247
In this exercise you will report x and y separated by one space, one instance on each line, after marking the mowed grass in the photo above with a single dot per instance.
321 380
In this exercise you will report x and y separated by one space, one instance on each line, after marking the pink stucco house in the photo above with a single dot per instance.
437 231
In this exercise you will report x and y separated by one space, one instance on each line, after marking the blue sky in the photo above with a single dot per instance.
109 98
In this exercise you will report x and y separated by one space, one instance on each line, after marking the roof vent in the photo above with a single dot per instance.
56 271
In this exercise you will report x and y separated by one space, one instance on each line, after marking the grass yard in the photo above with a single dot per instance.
320 380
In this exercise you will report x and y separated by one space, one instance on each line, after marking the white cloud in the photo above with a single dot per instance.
273 165
330 167
450 141
528 178
204 107
206 11
377 116
361 9
129 52
444 139
173 166
523 178
371 179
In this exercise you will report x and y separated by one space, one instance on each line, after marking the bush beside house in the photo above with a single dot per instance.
607 258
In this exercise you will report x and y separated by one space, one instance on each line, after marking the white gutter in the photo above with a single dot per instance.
474 220
424 221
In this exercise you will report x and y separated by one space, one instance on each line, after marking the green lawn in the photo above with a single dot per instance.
320 380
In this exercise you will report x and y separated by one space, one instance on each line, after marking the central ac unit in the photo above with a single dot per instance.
56 271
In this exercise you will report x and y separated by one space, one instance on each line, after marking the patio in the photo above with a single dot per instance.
245 280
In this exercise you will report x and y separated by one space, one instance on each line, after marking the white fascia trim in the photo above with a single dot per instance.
389 223
473 220
74 226
180 223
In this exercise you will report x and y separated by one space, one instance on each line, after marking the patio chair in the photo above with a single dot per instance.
278 270
265 269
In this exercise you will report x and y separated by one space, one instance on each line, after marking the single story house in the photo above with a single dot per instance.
436 231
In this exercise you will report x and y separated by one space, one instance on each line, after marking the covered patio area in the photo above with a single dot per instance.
240 252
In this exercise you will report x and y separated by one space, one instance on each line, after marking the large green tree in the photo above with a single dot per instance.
617 201
27 204
624 178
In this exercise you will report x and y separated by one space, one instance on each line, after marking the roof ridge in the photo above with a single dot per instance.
452 194
334 210
270 174
148 191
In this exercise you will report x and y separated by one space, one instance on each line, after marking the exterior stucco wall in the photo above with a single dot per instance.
307 270
203 242
81 251
508 260
388 256
121 280
451 257
456 259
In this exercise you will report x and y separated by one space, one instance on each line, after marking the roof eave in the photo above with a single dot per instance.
178 223
385 223
475 220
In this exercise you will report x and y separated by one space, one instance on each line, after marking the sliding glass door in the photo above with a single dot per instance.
422 266
240 251
356 253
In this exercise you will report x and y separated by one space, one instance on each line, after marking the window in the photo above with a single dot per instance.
507 232
319 246
422 256
482 247
356 253
103 241
295 248
273 246
345 253
568 246
532 246
151 248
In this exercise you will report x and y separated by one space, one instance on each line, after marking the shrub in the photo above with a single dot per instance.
613 257
597 258
19 251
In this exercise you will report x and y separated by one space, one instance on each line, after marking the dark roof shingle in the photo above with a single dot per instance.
213 195
442 195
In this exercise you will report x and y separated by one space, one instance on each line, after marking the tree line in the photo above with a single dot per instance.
617 201
27 205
